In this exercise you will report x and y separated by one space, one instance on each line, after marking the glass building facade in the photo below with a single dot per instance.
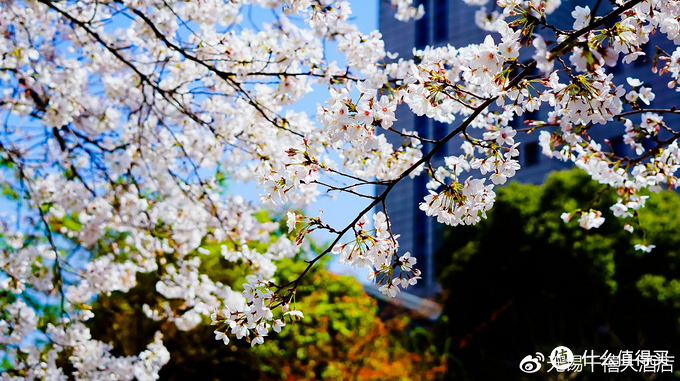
452 22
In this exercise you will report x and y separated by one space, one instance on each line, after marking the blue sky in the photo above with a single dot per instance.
340 210
343 208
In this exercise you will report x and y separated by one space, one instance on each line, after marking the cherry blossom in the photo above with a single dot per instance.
124 122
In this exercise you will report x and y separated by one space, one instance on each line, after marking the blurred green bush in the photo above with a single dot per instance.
524 281
341 337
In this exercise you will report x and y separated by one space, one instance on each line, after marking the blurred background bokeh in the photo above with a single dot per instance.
521 281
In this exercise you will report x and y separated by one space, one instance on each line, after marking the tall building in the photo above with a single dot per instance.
452 22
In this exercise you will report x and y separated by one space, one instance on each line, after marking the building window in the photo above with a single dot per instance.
522 121
422 126
420 225
420 183
441 20
530 115
531 154
423 26
619 148
440 132
616 69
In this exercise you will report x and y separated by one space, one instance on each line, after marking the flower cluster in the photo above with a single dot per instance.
124 121
376 250
460 203
253 320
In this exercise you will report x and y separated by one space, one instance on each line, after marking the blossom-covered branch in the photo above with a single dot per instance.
124 121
